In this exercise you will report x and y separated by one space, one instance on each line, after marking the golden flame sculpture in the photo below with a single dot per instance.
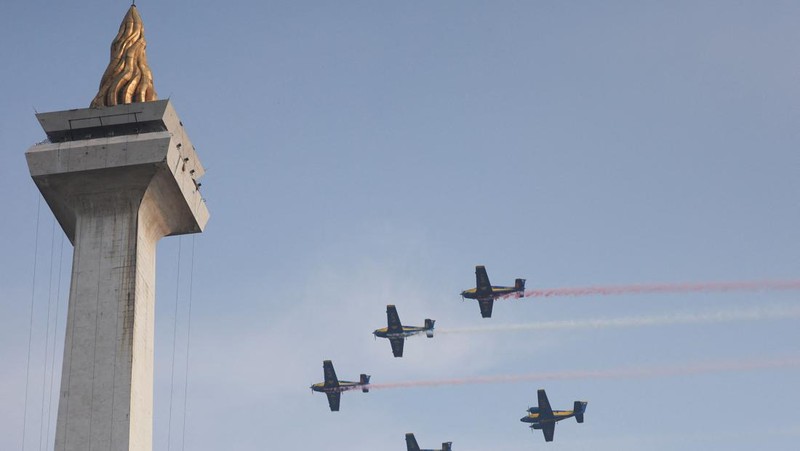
128 78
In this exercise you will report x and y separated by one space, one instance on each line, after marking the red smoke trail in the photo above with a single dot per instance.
619 373
663 288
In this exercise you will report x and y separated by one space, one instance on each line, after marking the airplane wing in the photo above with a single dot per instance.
393 319
486 307
397 346
545 411
333 401
330 376
549 429
482 285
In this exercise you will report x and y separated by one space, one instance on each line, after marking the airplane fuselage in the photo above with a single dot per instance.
342 387
407 332
535 419
497 292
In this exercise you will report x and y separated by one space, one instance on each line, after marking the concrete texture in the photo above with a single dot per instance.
118 179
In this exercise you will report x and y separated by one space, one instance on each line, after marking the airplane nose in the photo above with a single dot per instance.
526 419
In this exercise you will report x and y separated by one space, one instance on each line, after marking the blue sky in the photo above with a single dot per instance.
367 153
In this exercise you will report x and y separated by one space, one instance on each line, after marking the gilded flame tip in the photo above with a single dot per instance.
127 78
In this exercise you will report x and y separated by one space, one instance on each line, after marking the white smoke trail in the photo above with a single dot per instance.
759 285
619 373
721 316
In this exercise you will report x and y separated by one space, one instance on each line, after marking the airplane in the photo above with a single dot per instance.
485 293
333 387
397 333
411 445
545 418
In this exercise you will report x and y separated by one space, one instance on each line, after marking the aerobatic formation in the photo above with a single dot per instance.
542 417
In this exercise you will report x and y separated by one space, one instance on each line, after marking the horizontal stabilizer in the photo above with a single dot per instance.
429 327
519 285
579 408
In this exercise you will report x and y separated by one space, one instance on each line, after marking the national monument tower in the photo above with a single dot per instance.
118 177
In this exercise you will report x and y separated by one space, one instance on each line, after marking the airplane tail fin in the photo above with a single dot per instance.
447 446
429 327
519 286
579 408
411 443
365 383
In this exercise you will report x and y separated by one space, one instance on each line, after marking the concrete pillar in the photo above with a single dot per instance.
118 179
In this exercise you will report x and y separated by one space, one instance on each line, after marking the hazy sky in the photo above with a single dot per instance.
366 153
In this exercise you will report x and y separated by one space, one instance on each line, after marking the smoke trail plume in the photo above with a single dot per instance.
722 316
763 285
619 373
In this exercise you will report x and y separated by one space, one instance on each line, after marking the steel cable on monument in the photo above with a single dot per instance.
55 336
30 325
47 334
188 346
174 340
